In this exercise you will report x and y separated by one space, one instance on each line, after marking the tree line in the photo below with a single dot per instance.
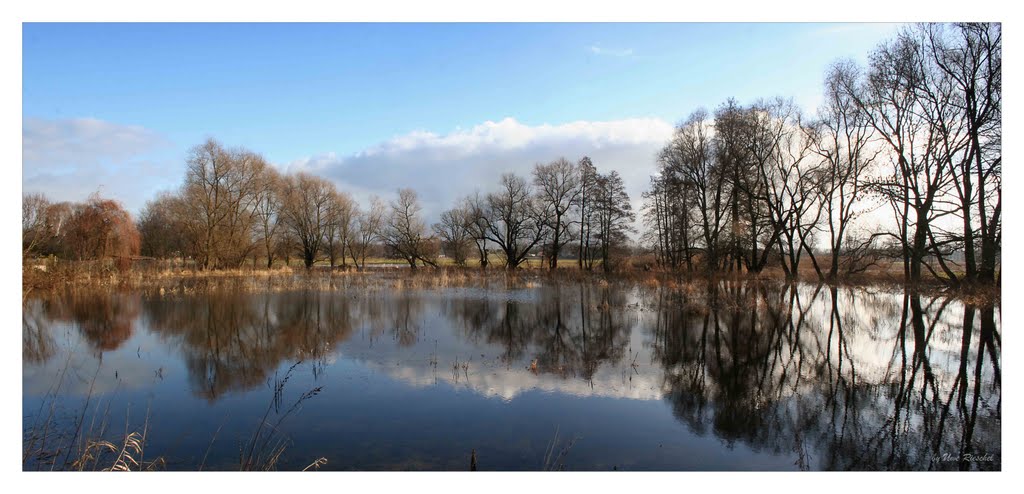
918 130
95 229
233 208
567 209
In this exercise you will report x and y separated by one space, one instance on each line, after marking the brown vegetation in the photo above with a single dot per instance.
748 191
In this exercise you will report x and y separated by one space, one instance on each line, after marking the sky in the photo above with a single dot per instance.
442 108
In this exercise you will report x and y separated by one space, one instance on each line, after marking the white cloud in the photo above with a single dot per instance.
444 167
507 383
68 159
612 52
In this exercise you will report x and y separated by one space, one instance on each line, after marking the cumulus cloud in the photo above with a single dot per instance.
445 167
68 159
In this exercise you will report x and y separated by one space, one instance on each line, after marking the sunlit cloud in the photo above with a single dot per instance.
444 167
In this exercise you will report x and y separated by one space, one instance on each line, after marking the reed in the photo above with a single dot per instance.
556 452
263 451
172 281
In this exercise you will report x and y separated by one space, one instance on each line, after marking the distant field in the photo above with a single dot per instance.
493 260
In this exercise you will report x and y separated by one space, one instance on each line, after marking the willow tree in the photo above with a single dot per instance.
307 212
219 202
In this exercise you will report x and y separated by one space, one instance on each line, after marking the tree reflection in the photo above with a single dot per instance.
566 330
838 378
106 320
234 341
37 344
816 373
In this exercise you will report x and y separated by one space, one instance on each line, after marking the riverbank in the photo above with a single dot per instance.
177 277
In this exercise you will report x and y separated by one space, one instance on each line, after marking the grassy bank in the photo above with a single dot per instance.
183 277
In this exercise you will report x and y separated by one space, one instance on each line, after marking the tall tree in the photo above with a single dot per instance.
220 194
587 181
338 228
269 201
614 216
475 207
903 101
306 212
367 229
33 223
842 139
558 190
969 55
405 232
455 230
101 228
512 220
162 233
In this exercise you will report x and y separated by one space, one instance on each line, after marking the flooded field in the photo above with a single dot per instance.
574 376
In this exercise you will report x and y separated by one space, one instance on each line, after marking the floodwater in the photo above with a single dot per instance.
589 376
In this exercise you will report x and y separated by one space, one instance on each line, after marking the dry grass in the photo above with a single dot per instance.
266 445
168 279
86 444
555 453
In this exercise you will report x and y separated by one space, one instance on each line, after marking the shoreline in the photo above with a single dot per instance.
388 275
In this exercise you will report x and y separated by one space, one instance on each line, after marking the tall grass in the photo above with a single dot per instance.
556 452
174 277
267 443
87 444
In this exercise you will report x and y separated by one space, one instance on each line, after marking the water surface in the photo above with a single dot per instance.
587 376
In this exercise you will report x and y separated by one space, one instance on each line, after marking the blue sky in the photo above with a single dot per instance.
116 106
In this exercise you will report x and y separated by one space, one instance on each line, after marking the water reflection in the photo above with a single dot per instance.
826 374
834 378
566 331
234 341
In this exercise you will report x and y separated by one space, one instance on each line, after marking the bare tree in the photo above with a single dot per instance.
969 56
733 154
367 229
339 227
558 190
162 233
691 183
101 228
904 104
58 222
455 230
220 195
269 201
306 212
842 139
614 216
34 209
587 182
475 207
405 233
788 186
512 221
